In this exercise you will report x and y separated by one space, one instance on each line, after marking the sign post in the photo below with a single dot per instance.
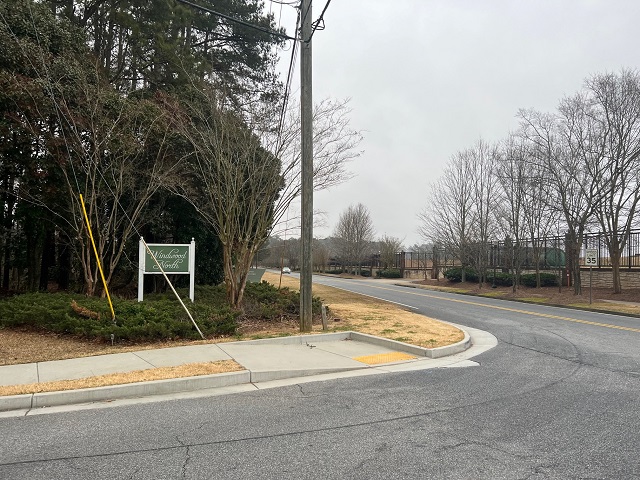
591 259
164 258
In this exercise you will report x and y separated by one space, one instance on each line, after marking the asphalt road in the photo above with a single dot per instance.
557 398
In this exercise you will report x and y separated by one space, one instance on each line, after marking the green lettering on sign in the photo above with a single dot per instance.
172 259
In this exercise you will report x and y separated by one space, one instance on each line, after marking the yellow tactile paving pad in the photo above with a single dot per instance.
384 358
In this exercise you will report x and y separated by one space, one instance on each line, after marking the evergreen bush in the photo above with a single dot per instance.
455 274
546 279
501 280
159 317
389 273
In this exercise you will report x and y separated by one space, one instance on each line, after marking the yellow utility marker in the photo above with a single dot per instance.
95 251
384 358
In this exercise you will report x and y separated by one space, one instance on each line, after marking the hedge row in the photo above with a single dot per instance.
502 279
159 317
389 273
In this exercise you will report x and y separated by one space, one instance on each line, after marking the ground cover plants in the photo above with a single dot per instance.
159 318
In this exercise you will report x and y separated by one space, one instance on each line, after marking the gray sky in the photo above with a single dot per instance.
428 78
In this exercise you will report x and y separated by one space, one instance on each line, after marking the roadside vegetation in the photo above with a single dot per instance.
502 279
159 318
32 326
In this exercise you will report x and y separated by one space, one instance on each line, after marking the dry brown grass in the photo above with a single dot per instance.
188 370
376 317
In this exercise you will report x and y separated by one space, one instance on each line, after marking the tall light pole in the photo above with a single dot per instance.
306 105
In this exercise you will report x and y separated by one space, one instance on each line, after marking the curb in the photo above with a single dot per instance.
436 352
130 390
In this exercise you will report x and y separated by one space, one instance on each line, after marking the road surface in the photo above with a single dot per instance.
558 398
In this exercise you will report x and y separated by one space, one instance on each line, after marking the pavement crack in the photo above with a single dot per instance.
476 443
134 474
135 354
579 361
187 458
540 470
187 454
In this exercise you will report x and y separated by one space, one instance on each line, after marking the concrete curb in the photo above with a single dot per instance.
436 352
129 390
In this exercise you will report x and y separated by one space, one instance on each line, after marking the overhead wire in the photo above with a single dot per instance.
319 23
287 89
238 21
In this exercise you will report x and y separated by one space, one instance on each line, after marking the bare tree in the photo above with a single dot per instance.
111 149
389 247
512 174
567 148
232 180
483 160
460 211
335 143
615 102
354 234
447 218
320 255
540 217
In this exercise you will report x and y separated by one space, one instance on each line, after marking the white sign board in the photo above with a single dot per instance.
591 257
160 258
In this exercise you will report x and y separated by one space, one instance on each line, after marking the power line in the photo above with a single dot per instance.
238 21
320 21
287 86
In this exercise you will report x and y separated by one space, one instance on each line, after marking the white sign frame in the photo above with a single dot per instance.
142 265
591 257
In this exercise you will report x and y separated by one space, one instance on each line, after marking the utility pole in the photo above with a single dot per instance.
306 106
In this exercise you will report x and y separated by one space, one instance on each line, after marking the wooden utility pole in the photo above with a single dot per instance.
306 105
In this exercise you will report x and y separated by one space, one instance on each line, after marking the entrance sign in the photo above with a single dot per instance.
171 258
255 275
164 258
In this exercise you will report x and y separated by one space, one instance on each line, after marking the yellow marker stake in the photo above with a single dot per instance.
95 251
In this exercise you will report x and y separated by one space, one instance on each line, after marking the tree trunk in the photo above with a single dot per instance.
63 251
8 226
48 258
615 268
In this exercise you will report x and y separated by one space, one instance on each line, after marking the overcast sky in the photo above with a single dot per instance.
428 78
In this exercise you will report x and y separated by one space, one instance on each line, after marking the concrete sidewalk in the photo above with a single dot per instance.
264 361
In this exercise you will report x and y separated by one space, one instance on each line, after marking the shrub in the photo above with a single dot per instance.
455 274
334 271
159 317
546 280
389 273
502 279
